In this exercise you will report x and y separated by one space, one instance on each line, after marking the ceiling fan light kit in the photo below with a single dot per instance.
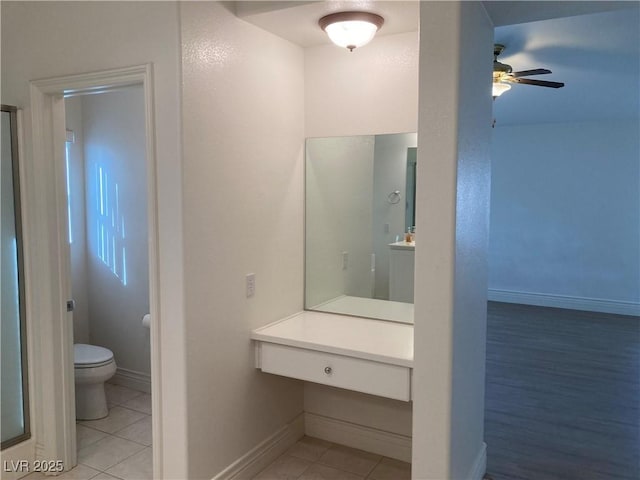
499 88
503 75
351 29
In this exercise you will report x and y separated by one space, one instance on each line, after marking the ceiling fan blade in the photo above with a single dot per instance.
526 73
539 83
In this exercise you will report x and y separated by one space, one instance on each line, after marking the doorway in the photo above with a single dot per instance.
54 360
106 182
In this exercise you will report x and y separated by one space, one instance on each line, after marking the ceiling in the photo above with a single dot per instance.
597 56
591 46
298 21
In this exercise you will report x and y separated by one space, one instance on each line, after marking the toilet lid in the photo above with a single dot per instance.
84 354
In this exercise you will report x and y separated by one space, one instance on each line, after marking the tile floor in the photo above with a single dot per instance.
314 459
117 447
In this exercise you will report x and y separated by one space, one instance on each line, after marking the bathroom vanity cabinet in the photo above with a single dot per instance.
360 354
401 271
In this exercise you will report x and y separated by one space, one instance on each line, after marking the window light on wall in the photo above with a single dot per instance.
110 225
71 138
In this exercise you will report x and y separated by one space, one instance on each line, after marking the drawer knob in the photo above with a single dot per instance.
328 370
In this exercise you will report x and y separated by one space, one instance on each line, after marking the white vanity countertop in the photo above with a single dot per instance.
369 307
403 245
376 340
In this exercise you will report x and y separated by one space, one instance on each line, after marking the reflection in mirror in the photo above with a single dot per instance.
14 404
360 213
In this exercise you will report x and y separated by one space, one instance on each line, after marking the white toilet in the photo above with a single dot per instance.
93 366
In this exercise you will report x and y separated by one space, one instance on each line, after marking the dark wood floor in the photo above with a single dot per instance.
562 394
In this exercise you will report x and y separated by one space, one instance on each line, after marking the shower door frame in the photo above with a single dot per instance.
16 158
53 358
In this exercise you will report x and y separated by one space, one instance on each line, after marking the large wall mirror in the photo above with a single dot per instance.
359 206
14 402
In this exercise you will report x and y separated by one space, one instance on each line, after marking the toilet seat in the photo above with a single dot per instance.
91 356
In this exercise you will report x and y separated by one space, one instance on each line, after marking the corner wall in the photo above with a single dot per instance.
243 101
453 181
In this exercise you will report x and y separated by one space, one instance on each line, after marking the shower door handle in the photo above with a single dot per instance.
71 305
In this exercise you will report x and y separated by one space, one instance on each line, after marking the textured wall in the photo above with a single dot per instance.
453 207
372 90
243 93
49 39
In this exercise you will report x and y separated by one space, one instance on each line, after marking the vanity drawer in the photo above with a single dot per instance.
364 376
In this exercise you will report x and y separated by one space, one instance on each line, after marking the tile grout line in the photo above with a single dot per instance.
114 435
368 476
305 470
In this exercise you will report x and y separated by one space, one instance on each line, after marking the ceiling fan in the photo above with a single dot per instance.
503 75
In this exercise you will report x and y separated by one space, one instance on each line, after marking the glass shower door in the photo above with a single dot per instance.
14 404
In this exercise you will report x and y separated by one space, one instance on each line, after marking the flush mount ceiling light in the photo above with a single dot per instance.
351 29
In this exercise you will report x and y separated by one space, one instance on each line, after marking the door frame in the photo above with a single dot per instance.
53 355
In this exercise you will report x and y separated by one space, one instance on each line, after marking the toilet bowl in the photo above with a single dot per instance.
93 366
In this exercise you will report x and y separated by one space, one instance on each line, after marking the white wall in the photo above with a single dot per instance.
49 39
118 278
453 183
372 90
565 213
79 279
390 174
380 413
243 211
339 191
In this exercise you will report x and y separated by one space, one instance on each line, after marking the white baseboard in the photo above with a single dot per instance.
479 467
264 453
357 436
132 379
563 301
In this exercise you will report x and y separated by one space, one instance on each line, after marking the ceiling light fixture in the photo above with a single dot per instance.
351 29
499 88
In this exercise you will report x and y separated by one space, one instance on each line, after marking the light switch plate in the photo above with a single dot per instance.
251 284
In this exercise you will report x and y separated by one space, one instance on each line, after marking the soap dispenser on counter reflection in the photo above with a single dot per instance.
410 236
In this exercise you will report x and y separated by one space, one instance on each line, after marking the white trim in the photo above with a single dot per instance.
132 379
53 369
479 467
565 301
49 272
84 83
263 454
24 451
369 439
